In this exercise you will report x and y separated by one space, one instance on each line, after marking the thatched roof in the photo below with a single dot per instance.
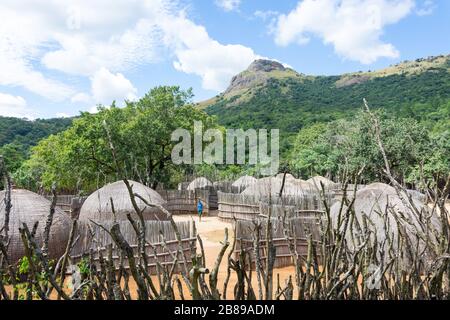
391 190
302 184
315 181
377 201
97 206
199 183
29 207
288 176
243 182
381 186
272 186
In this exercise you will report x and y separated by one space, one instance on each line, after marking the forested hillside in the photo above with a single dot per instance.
18 135
268 95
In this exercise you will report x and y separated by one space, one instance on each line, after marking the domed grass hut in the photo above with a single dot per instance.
317 180
390 222
288 176
97 206
199 183
244 182
29 207
391 190
271 186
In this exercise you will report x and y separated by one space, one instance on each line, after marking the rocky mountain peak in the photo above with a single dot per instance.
258 72
262 65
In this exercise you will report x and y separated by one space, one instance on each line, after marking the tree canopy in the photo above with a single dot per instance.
80 158
350 144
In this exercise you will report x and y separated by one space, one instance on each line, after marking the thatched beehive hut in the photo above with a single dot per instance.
244 182
199 183
97 206
29 207
380 211
391 190
315 181
302 184
288 176
271 186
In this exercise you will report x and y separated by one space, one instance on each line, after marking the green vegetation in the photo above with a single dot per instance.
17 136
323 128
350 145
321 123
294 103
80 158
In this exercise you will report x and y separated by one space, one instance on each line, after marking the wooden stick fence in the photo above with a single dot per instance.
70 204
249 207
160 237
300 228
185 201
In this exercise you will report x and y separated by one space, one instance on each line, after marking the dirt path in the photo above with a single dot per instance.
212 231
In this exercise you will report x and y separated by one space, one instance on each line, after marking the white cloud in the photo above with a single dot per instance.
264 15
353 27
228 5
17 70
99 41
196 53
107 87
15 106
62 115
81 97
82 36
426 8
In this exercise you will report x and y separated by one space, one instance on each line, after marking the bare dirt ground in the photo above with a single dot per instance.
212 231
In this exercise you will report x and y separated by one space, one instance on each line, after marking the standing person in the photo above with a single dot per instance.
200 209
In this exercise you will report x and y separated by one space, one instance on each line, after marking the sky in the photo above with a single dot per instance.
58 58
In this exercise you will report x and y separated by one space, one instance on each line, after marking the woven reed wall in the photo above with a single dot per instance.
185 201
29 207
248 207
161 249
339 190
301 227
213 199
226 186
66 202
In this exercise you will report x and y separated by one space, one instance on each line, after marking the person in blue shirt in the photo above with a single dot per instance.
200 209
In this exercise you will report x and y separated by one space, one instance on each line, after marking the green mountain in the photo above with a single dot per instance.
269 95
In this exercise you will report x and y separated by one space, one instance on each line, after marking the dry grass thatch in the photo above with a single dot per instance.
244 182
379 210
29 207
97 206
288 176
271 186
391 190
315 181
199 183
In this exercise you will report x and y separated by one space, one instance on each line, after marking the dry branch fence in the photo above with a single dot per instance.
185 201
301 227
160 237
70 204
249 207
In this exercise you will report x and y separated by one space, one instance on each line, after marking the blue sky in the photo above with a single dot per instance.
58 58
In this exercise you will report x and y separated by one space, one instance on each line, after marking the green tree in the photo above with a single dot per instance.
350 145
80 157
14 154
